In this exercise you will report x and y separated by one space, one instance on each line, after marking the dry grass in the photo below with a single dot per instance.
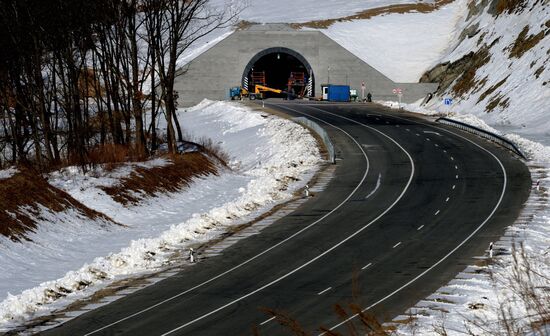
20 198
145 182
214 150
524 43
362 324
369 13
243 24
89 85
111 155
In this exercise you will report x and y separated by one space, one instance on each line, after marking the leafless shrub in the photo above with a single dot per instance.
523 294
214 149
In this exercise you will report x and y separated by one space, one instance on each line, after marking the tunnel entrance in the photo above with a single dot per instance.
281 69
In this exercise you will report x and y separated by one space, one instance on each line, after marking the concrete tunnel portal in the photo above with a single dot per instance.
279 68
278 55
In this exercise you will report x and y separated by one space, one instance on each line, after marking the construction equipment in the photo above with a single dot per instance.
297 80
260 89
258 78
238 92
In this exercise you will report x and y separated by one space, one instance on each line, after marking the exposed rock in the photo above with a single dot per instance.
475 8
469 32
463 69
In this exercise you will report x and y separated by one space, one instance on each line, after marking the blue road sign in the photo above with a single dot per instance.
447 101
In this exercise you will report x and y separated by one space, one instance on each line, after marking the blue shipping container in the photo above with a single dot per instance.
338 93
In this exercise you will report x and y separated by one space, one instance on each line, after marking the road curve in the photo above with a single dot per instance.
410 204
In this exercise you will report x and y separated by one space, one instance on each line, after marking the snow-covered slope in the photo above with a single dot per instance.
288 11
506 80
401 46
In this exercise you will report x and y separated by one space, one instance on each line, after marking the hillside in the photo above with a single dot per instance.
497 68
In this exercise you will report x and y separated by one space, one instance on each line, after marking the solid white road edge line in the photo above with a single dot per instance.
258 255
333 247
504 185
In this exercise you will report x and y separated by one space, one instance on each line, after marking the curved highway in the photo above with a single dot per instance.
410 204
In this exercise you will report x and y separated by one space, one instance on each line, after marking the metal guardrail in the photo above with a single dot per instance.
322 134
484 134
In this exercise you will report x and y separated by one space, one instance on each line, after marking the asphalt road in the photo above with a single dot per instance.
410 204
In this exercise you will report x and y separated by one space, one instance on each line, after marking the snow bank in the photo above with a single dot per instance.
268 155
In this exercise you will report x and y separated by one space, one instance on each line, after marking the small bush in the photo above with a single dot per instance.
214 150
110 155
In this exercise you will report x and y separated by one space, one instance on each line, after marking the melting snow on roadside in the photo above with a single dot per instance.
270 159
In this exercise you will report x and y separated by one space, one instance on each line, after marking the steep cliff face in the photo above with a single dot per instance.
498 68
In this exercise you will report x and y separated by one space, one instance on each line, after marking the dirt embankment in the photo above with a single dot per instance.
144 183
24 194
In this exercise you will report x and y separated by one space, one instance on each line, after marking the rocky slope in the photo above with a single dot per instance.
498 67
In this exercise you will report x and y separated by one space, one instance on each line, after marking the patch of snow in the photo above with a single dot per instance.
270 159
7 173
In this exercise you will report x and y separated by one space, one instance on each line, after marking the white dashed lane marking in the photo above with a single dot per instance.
324 291
394 246
267 321
420 227
366 266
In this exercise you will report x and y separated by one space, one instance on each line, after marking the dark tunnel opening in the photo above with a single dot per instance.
281 71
